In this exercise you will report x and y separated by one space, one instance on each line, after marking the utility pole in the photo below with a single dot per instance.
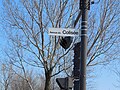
76 68
79 81
84 6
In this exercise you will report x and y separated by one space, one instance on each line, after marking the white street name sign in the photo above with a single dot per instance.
63 32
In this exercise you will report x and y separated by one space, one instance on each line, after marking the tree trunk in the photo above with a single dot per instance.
48 80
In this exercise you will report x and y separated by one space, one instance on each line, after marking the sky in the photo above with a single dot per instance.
105 78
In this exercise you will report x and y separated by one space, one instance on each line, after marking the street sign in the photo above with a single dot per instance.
63 32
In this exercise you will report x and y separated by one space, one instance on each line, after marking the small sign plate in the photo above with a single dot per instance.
63 32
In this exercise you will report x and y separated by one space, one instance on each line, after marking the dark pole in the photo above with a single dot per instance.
76 69
84 9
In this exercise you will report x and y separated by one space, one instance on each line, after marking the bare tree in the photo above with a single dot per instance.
20 83
15 80
6 76
103 33
117 72
28 22
30 42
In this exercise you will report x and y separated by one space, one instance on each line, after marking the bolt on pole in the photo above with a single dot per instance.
84 9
